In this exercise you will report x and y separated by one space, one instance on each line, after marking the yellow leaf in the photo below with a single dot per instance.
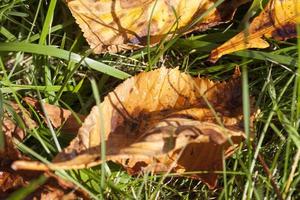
157 121
278 20
115 25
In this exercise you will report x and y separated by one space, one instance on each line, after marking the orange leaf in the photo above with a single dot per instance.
157 121
278 20
115 25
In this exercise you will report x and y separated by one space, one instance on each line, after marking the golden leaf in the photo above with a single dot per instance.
159 120
278 20
115 25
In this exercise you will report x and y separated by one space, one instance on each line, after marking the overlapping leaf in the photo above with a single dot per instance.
115 25
160 120
278 20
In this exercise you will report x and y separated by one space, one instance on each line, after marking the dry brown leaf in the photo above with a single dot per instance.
160 120
59 117
10 130
53 187
11 180
56 188
115 25
278 20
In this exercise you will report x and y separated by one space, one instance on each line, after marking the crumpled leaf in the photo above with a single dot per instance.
11 180
51 187
160 120
278 20
10 130
115 25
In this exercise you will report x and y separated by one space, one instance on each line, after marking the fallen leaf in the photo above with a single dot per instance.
57 188
11 180
160 120
278 20
115 25
10 130
51 187
59 117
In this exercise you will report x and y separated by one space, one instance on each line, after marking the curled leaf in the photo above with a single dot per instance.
278 20
160 120
115 25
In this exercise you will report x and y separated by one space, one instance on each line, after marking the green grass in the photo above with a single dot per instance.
46 57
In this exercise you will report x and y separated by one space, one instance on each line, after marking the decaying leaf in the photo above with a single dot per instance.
278 20
10 130
11 180
51 187
59 117
160 120
115 25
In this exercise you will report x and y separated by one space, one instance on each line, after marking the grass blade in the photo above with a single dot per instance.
63 54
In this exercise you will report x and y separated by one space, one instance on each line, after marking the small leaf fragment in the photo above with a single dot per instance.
10 129
59 117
